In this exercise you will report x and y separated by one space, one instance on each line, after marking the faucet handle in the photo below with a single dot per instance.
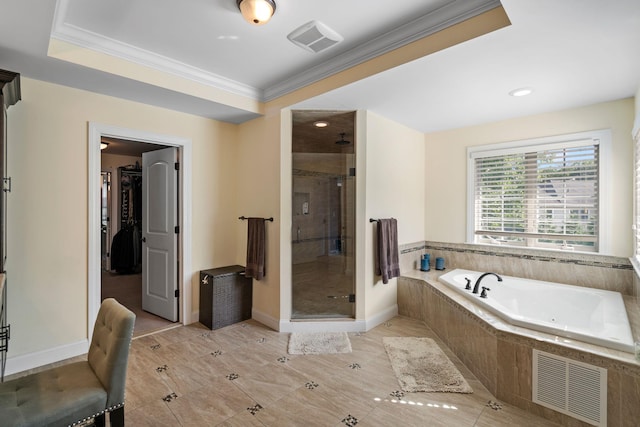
468 287
483 294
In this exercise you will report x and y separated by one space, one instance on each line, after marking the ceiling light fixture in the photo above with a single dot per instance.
523 91
103 145
257 12
321 124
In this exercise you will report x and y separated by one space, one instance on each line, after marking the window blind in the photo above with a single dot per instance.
539 196
636 220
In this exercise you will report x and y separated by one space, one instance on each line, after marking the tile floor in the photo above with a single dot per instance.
242 375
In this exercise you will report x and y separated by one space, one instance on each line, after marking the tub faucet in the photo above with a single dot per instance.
477 285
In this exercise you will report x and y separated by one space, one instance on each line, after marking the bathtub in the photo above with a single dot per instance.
590 315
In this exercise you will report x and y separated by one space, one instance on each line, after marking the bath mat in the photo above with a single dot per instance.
421 365
319 343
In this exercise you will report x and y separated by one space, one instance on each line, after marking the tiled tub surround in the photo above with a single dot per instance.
580 269
500 355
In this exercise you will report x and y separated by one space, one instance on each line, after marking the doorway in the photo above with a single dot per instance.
122 224
323 215
96 134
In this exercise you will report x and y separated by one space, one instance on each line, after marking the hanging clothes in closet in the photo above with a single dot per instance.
130 196
126 248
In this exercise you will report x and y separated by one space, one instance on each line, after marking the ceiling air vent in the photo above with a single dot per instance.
314 36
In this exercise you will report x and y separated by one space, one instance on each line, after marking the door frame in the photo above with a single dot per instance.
96 132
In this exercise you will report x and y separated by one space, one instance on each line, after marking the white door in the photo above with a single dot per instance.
159 239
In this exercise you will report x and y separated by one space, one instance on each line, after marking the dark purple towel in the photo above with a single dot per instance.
255 248
387 260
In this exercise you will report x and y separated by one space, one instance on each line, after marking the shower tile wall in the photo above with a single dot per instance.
309 228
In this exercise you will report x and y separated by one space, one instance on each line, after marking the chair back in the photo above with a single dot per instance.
109 349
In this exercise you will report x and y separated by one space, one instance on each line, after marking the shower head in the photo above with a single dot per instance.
342 140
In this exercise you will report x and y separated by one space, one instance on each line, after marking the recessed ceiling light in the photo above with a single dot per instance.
321 124
523 91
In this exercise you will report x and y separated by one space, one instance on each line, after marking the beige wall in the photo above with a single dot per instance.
257 175
395 187
445 219
47 208
636 127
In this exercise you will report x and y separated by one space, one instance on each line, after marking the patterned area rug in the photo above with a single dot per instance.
319 343
421 365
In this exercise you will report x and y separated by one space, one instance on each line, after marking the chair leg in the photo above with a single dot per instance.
99 421
116 417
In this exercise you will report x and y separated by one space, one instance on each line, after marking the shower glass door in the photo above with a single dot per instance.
323 211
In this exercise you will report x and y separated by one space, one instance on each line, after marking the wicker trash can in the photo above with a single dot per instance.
226 296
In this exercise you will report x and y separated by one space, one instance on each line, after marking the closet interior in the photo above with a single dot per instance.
121 221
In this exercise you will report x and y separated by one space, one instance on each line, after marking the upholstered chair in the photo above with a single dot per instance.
74 393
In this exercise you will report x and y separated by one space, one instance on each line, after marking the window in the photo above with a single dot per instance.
636 212
543 193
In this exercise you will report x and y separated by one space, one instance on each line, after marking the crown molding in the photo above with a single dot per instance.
439 19
446 15
89 40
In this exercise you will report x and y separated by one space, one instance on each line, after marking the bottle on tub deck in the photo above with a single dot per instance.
425 260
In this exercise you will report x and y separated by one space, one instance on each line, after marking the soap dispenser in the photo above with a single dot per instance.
424 262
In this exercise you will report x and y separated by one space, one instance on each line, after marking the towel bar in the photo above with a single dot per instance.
266 219
374 220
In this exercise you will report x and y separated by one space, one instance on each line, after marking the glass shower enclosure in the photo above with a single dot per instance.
323 211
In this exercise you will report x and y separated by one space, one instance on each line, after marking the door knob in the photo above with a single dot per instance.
144 239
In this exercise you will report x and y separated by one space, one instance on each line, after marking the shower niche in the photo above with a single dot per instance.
300 204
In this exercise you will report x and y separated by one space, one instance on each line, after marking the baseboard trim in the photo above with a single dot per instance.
382 317
265 319
28 361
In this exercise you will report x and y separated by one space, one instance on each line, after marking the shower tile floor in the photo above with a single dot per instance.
321 289
242 375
